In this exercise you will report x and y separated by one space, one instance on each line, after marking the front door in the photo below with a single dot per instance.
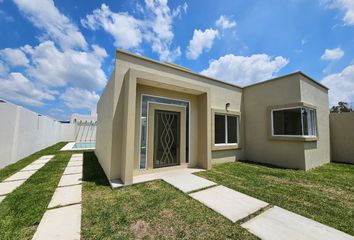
166 138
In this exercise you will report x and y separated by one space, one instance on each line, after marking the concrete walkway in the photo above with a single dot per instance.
183 179
17 179
62 220
278 224
272 224
231 204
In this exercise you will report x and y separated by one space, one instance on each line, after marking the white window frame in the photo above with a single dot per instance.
226 130
302 123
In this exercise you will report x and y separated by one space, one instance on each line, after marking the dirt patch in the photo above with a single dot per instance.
140 229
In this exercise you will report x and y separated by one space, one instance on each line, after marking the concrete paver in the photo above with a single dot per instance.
33 166
77 163
21 175
70 179
60 224
14 181
66 196
187 182
160 175
229 203
277 224
77 156
8 187
46 157
40 162
73 170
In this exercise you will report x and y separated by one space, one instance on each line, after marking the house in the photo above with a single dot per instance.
155 116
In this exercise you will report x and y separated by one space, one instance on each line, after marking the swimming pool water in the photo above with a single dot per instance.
90 145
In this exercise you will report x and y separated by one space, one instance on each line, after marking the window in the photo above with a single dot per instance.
299 121
225 129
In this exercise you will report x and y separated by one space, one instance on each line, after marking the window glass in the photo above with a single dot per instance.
231 129
220 129
287 122
294 122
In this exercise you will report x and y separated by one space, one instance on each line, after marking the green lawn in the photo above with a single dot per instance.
22 210
153 210
13 168
156 210
324 194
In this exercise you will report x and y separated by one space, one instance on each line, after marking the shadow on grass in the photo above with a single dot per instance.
92 170
269 165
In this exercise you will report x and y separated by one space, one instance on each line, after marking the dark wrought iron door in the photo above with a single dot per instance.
166 138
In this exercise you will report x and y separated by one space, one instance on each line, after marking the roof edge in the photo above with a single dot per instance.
175 66
288 75
186 70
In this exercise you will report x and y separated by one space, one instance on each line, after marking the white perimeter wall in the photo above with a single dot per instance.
23 132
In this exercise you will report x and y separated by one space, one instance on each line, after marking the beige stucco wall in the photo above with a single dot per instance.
317 152
342 137
105 113
220 93
204 94
298 154
118 128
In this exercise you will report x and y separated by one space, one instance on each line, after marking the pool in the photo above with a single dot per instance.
79 146
90 145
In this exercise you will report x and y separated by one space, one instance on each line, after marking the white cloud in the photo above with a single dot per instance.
341 85
73 68
201 41
99 52
159 20
19 89
225 23
345 5
77 98
53 67
44 15
332 54
125 29
130 32
14 57
244 70
3 69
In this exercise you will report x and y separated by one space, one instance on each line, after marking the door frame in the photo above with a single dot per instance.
151 132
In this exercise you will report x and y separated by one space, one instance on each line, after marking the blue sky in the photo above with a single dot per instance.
56 56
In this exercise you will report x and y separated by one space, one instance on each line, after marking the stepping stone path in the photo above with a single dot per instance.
62 220
229 203
11 183
277 224
271 223
187 182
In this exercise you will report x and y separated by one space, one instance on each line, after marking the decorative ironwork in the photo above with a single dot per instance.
166 138
145 100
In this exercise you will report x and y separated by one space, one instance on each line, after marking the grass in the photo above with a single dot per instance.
156 210
22 210
324 194
153 210
13 168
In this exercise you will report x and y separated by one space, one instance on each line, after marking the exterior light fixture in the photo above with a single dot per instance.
227 106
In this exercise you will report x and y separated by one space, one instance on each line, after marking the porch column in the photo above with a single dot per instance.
128 130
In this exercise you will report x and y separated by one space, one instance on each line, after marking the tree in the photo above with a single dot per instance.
342 107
